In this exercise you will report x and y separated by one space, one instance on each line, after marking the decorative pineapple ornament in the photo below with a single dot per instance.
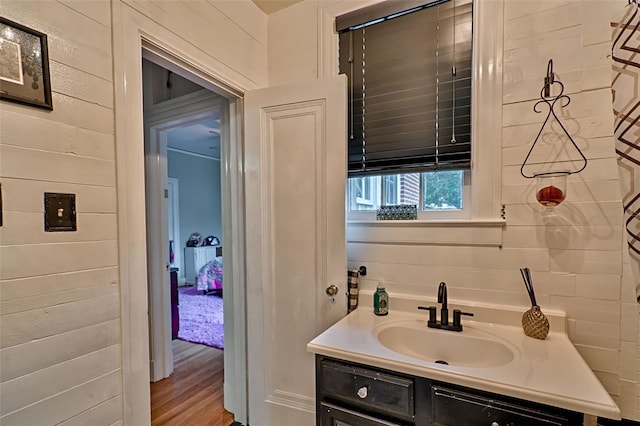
534 323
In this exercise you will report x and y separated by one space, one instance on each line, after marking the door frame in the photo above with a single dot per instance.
159 119
132 32
173 185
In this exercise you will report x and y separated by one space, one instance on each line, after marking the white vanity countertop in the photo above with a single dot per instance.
549 371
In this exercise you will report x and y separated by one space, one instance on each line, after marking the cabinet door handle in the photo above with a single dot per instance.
363 392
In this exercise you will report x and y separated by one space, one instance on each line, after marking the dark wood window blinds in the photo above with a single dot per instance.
409 68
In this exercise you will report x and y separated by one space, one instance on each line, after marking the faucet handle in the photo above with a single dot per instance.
456 316
432 312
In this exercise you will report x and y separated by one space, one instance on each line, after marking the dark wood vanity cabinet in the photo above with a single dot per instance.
350 394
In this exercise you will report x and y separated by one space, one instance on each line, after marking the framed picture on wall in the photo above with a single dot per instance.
24 65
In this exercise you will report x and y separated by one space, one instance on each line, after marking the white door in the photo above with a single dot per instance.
295 160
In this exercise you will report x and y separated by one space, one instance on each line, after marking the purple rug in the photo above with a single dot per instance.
201 317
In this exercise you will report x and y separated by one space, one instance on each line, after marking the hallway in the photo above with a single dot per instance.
193 395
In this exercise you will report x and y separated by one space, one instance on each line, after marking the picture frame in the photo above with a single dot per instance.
24 65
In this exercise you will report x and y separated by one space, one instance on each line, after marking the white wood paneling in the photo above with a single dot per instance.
248 55
78 84
586 261
246 15
106 413
487 233
23 327
65 405
20 261
469 257
98 11
89 199
26 131
52 17
27 358
598 286
595 103
584 309
284 66
28 228
589 127
55 167
600 359
60 355
596 148
564 236
31 388
601 169
24 294
602 191
591 333
588 213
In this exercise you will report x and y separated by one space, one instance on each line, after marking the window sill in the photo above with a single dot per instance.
427 232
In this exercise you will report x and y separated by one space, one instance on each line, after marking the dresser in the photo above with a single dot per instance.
196 257
175 316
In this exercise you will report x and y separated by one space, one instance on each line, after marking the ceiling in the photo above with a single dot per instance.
272 6
201 138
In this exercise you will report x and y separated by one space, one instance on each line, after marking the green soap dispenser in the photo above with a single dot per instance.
380 300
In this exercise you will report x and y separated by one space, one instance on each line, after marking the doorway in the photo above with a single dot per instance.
182 123
169 120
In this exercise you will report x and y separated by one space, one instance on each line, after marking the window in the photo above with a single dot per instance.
482 220
430 191
410 73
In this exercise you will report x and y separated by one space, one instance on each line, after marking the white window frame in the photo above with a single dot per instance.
425 215
482 224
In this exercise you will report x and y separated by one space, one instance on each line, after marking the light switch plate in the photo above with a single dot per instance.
59 212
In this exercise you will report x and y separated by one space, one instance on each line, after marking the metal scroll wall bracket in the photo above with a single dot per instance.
551 189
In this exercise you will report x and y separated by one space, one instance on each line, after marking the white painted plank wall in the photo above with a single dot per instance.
60 353
577 259
233 33
60 337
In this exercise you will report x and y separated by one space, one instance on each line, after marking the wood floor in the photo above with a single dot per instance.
192 395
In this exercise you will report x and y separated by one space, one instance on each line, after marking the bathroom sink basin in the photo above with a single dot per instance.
472 347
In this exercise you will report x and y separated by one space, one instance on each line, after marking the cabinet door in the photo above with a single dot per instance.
335 416
456 408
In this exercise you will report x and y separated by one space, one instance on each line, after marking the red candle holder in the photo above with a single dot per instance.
551 189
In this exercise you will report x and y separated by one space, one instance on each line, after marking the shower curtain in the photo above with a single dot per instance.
625 87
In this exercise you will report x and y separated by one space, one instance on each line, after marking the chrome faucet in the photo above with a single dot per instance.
444 313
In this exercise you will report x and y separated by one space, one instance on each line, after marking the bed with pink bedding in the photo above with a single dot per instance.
209 277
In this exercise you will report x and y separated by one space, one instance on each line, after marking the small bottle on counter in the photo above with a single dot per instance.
380 300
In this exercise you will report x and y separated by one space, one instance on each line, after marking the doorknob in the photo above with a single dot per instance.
332 290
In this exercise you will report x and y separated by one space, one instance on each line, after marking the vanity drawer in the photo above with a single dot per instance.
368 388
456 408
332 415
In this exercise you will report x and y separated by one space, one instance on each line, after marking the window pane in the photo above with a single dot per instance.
443 190
390 190
364 193
409 192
